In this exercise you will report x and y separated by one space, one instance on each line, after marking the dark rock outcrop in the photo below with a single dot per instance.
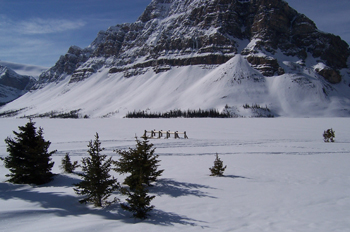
178 33
330 75
268 66
66 65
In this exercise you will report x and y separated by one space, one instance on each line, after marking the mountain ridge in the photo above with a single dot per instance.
162 41
25 69
13 85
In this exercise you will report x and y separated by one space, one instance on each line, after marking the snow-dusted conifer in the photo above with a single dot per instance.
29 160
140 162
97 184
66 164
329 135
218 168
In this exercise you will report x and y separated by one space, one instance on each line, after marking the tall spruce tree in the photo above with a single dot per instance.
29 160
140 162
97 184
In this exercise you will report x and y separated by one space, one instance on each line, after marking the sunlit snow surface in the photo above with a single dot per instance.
280 176
300 92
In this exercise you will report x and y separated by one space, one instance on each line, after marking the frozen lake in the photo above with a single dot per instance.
280 176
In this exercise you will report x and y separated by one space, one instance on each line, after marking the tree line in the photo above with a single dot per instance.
210 113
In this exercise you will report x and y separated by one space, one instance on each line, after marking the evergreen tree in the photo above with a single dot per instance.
218 168
141 163
67 165
97 184
329 135
29 160
138 201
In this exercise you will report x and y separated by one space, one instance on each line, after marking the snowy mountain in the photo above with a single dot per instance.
222 54
25 69
13 85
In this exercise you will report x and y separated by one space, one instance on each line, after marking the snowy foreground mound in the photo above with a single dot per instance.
280 176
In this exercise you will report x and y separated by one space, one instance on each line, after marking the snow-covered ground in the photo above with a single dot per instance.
280 176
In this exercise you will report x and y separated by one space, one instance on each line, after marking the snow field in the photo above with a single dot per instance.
280 176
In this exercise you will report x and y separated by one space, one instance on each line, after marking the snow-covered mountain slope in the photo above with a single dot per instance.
200 54
25 69
234 83
13 85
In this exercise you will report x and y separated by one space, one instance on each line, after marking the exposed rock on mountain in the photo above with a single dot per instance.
180 33
66 65
13 85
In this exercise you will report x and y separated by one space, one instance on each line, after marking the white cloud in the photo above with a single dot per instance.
37 26
36 41
42 26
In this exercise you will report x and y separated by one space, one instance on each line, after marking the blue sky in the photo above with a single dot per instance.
39 31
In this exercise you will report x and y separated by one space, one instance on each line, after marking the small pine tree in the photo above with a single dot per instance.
329 135
67 166
97 184
141 163
29 160
218 168
138 202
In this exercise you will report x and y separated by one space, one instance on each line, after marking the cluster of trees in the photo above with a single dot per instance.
211 113
97 184
259 111
29 162
56 114
255 106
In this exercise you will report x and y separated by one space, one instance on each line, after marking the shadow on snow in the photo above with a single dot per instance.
59 203
234 177
178 189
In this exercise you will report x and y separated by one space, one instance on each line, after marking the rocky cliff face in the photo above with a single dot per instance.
180 33
13 85
66 65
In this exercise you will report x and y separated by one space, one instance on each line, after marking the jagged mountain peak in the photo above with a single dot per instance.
156 9
171 32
